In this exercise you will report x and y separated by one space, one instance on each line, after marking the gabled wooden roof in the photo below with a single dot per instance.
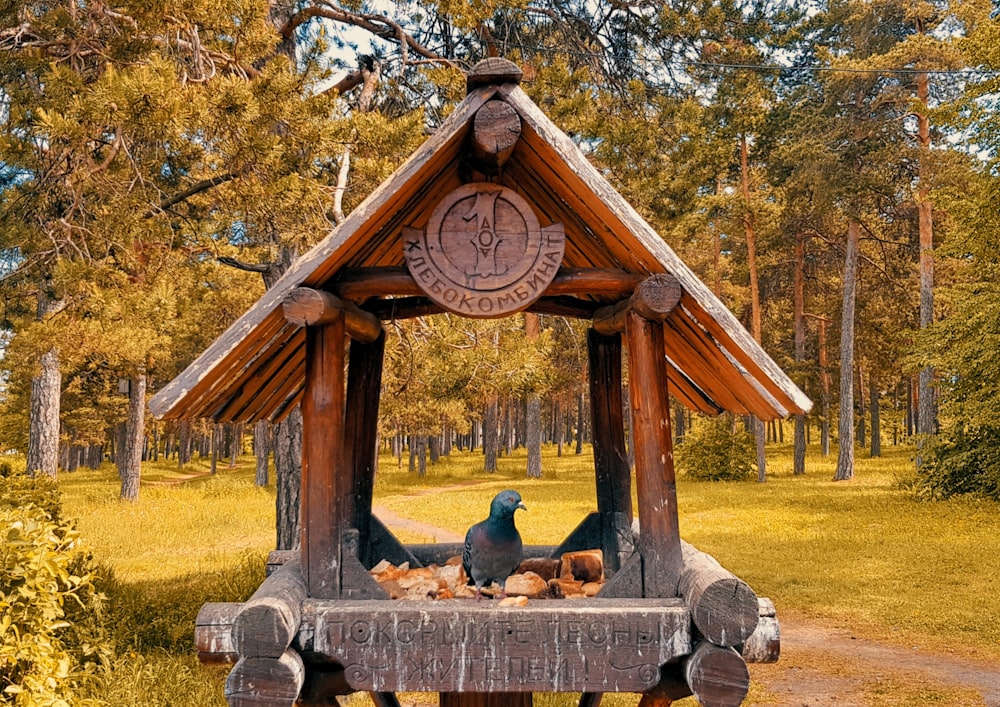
256 369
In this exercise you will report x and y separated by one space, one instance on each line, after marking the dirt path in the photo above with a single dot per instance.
822 665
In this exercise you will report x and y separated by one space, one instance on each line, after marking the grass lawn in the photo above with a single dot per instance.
864 553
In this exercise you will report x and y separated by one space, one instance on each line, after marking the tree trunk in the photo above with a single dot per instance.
750 232
236 443
434 448
490 436
845 459
799 316
213 447
43 428
876 446
925 218
861 409
130 454
824 374
533 418
261 450
288 478
420 443
183 443
579 422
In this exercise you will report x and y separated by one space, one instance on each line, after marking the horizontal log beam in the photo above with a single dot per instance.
723 607
654 299
213 627
305 306
269 620
716 676
358 284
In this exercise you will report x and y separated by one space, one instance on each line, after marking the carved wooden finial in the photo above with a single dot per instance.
493 70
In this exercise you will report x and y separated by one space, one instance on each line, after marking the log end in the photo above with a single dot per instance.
717 676
726 612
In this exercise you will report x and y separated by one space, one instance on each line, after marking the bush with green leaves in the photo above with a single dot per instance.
717 450
967 463
51 636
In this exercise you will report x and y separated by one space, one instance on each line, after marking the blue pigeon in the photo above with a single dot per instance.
493 546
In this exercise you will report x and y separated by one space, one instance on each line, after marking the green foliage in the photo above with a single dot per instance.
968 462
717 450
50 609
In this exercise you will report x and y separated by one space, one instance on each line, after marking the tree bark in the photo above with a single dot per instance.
533 419
490 436
43 429
799 310
845 459
262 450
130 454
288 478
876 446
925 219
750 232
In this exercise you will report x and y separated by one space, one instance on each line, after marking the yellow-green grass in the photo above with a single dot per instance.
185 522
863 553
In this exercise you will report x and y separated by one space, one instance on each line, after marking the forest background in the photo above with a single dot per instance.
829 169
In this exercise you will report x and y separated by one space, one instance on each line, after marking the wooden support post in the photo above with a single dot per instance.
305 306
659 541
654 299
724 608
364 382
614 482
266 682
324 483
269 620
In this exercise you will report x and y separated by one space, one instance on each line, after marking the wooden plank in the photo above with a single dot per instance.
269 371
323 477
215 364
266 682
246 349
659 542
578 646
285 384
269 620
585 536
742 387
635 235
613 473
687 391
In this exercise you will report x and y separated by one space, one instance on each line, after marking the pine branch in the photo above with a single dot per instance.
197 188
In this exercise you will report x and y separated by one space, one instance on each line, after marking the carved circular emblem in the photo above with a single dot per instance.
484 253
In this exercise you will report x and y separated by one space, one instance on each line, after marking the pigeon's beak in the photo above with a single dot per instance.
520 504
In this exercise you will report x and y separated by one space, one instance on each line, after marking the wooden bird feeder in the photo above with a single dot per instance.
497 213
